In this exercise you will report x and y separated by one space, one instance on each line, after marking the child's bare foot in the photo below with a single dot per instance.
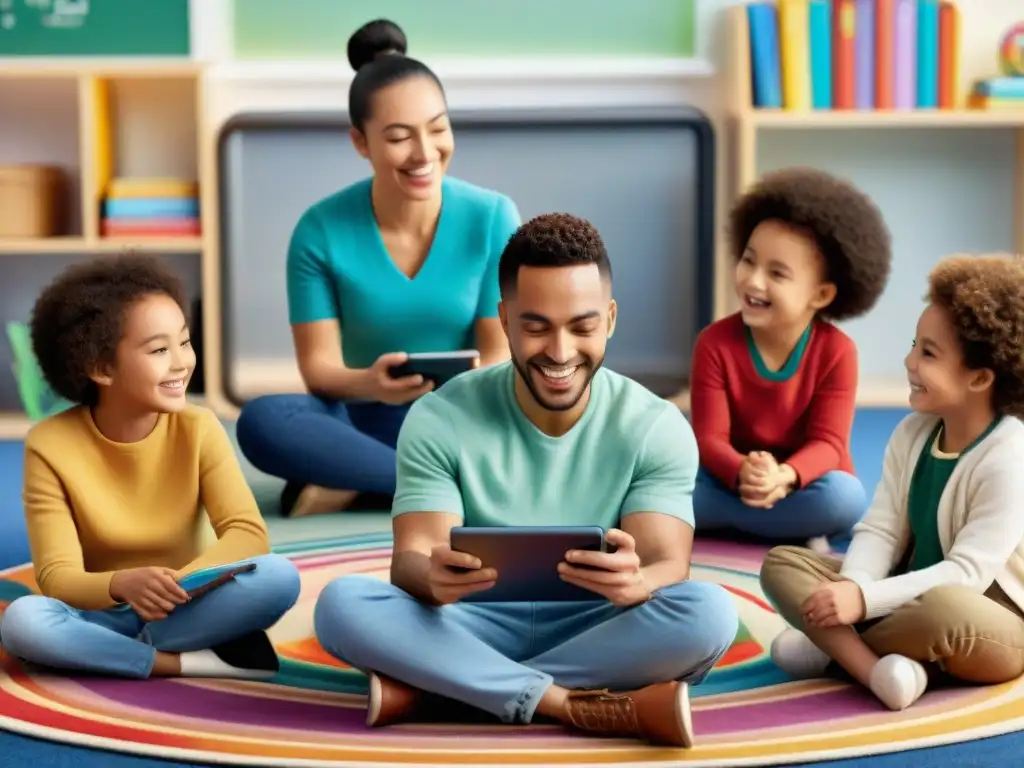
315 500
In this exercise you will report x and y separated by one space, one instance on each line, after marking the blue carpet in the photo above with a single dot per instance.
871 430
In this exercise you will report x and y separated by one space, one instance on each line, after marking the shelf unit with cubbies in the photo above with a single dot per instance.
748 125
95 120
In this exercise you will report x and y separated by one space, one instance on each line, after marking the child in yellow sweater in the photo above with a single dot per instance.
116 490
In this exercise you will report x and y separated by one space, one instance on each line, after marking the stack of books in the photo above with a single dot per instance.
998 93
135 207
854 54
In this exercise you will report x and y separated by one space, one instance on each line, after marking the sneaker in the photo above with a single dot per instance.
252 652
390 701
659 714
250 657
795 654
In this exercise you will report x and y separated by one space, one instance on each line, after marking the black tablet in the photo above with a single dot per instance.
437 367
526 559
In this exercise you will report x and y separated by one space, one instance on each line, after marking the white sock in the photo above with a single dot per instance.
898 681
795 654
819 545
206 663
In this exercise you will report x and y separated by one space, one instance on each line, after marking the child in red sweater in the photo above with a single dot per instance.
773 386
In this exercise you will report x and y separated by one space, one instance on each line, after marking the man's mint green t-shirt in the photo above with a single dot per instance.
339 269
468 449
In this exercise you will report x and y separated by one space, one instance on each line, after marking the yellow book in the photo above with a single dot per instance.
103 150
987 103
132 187
795 49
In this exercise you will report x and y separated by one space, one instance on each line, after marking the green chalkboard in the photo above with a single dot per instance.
94 28
319 29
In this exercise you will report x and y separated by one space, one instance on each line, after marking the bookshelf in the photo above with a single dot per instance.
748 124
97 119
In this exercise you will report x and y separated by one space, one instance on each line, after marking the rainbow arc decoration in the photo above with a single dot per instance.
745 714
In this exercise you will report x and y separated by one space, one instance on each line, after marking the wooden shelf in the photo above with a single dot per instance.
97 119
39 67
75 245
750 124
844 119
14 426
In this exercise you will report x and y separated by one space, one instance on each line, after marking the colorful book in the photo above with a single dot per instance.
794 38
885 54
1001 88
949 55
762 19
864 55
992 103
127 186
844 27
149 227
150 207
927 54
820 22
905 46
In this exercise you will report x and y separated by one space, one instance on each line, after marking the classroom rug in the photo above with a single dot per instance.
747 713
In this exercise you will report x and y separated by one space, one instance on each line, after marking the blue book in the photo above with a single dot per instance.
1001 88
928 54
151 208
765 62
820 14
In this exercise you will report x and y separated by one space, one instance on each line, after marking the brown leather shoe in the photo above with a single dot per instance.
390 701
658 713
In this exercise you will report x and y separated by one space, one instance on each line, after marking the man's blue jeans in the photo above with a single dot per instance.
501 657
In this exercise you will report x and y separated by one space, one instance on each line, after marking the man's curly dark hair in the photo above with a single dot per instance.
846 226
552 240
77 321
983 296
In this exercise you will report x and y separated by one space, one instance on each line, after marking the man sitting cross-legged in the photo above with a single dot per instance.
550 438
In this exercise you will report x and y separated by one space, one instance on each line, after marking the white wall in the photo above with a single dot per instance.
49 132
915 177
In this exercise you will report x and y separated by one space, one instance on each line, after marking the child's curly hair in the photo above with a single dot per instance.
983 297
77 321
846 225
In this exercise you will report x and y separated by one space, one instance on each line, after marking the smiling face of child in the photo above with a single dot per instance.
940 381
780 278
154 361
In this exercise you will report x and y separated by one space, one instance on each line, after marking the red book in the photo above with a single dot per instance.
949 58
844 19
885 53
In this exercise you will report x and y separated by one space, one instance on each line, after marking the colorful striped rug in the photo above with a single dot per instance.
745 714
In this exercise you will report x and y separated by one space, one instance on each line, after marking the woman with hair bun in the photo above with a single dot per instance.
404 261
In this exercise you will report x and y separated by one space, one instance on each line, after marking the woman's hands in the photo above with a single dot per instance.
384 388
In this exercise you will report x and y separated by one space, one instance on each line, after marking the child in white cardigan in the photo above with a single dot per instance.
933 581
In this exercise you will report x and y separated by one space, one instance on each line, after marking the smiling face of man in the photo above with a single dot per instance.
558 321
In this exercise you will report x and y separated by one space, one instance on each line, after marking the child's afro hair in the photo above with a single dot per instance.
983 297
77 321
846 225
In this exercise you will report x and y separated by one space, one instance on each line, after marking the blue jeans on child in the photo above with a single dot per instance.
308 440
501 657
830 505
50 633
